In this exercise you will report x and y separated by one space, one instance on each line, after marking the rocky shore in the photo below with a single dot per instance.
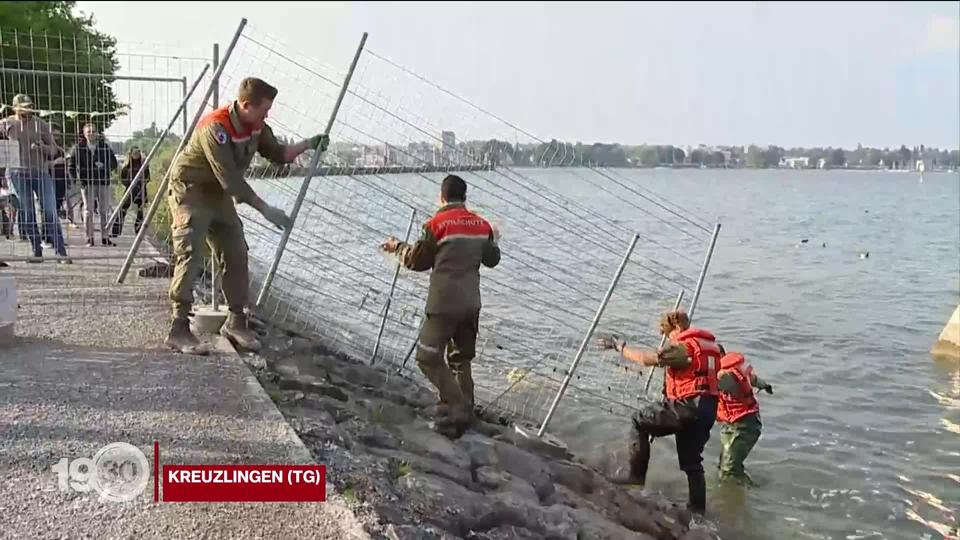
405 481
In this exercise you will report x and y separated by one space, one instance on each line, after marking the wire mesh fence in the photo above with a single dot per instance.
58 191
564 223
54 88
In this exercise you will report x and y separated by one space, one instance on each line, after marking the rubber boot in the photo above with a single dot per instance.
639 460
181 339
697 486
235 329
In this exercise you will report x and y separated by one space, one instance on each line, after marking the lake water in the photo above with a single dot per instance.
862 436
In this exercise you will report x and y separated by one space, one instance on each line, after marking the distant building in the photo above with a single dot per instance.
448 148
795 162
822 163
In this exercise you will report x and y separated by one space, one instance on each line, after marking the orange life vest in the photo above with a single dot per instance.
730 408
700 377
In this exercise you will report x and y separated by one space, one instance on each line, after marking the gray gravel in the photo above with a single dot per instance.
69 402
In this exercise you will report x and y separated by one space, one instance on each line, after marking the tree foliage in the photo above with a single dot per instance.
37 37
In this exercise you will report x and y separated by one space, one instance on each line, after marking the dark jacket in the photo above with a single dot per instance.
92 166
454 242
130 169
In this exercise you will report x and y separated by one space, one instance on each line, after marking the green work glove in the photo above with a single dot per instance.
322 141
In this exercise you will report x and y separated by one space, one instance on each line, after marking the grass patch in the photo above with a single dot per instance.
350 495
403 469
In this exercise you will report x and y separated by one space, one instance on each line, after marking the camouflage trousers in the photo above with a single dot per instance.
198 218
453 336
736 442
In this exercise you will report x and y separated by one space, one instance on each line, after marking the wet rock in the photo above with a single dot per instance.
573 475
594 526
420 439
567 497
299 345
479 448
699 534
492 478
287 371
390 414
546 446
323 430
488 429
340 412
550 522
363 376
447 503
255 362
525 465
406 463
612 461
416 532
378 437
510 532
517 491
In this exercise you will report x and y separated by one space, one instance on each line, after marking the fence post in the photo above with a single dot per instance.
589 334
393 285
153 150
703 271
214 268
663 338
184 88
268 280
155 204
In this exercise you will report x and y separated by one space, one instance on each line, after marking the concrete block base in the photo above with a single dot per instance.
948 346
206 320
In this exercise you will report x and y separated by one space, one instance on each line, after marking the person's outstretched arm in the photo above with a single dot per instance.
270 148
674 356
417 257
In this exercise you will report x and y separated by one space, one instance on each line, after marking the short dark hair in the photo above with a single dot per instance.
453 189
255 91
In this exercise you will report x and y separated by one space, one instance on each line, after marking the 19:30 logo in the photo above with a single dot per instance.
119 472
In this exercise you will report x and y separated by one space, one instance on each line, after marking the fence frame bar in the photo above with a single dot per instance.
588 335
305 185
182 109
155 204
393 285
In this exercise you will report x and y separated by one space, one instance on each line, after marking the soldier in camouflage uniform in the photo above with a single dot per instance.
205 183
454 243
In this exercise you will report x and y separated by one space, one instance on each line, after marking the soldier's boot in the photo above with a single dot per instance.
697 485
236 330
181 339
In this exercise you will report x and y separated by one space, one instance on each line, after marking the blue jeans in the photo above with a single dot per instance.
28 184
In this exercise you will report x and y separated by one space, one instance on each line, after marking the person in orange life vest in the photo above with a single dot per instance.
689 412
739 412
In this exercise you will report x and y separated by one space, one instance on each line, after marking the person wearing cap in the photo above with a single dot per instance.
32 178
205 180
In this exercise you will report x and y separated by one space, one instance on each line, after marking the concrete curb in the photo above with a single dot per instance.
335 503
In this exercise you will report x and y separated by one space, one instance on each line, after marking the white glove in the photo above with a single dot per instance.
276 216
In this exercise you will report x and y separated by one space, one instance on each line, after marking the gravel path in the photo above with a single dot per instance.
69 402
86 370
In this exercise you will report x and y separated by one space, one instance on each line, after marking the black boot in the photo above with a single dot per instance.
697 486
639 459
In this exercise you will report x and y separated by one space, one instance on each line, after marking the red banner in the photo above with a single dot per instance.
244 483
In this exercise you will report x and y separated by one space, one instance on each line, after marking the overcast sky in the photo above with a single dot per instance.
791 74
